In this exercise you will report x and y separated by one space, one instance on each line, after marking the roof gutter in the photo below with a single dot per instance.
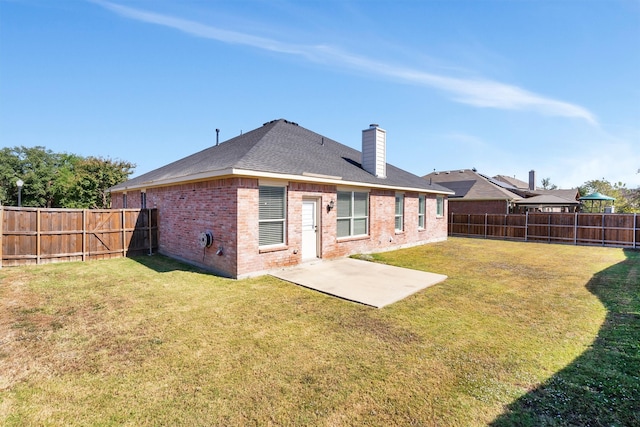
310 177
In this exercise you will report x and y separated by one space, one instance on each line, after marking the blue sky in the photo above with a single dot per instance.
503 86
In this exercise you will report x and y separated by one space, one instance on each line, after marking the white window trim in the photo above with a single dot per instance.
422 203
396 215
352 216
143 199
439 199
284 220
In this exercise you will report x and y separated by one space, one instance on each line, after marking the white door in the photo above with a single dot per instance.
309 230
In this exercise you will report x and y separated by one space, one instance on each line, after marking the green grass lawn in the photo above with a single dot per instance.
520 334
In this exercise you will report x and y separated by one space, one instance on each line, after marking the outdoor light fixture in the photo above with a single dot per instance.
19 183
330 205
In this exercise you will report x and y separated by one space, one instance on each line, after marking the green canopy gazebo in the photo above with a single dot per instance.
600 198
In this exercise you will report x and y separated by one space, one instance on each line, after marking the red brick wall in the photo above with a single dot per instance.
253 259
229 209
133 200
382 234
478 207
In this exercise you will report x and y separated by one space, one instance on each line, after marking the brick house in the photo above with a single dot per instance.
476 193
280 195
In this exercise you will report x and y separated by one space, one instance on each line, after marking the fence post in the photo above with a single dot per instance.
575 228
504 227
603 230
468 224
38 232
485 225
124 233
149 227
635 231
526 225
2 232
84 234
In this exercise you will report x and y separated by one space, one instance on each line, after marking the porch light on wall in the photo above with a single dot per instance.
330 205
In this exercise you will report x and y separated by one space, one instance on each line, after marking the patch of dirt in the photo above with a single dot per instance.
382 330
23 326
39 339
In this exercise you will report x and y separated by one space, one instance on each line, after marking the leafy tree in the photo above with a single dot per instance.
36 167
626 200
547 185
58 180
94 177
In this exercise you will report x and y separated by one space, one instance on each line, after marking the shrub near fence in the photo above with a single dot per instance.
622 230
40 236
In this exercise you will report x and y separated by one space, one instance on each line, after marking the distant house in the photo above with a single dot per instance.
538 199
476 193
280 195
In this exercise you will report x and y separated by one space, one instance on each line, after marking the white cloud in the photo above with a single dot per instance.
476 92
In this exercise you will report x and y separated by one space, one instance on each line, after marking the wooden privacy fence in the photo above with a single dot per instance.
40 236
621 230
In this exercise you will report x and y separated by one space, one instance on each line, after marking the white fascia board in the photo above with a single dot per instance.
330 181
204 176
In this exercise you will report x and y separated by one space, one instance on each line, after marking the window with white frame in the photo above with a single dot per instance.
272 215
124 200
440 205
421 210
353 213
143 200
399 212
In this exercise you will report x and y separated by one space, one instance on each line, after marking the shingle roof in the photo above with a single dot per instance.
470 185
549 200
513 181
570 194
279 147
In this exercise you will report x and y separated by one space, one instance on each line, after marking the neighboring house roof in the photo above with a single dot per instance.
513 181
471 185
571 194
522 188
547 200
280 149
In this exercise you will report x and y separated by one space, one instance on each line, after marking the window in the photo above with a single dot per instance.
271 221
399 212
143 200
124 200
353 213
421 210
440 205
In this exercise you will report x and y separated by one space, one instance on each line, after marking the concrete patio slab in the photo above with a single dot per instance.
365 282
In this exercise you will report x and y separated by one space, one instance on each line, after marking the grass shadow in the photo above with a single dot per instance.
602 386
163 264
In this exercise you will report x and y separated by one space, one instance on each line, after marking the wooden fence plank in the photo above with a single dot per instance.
620 230
1 232
38 235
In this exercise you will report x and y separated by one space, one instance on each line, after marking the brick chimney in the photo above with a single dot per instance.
374 151
532 180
